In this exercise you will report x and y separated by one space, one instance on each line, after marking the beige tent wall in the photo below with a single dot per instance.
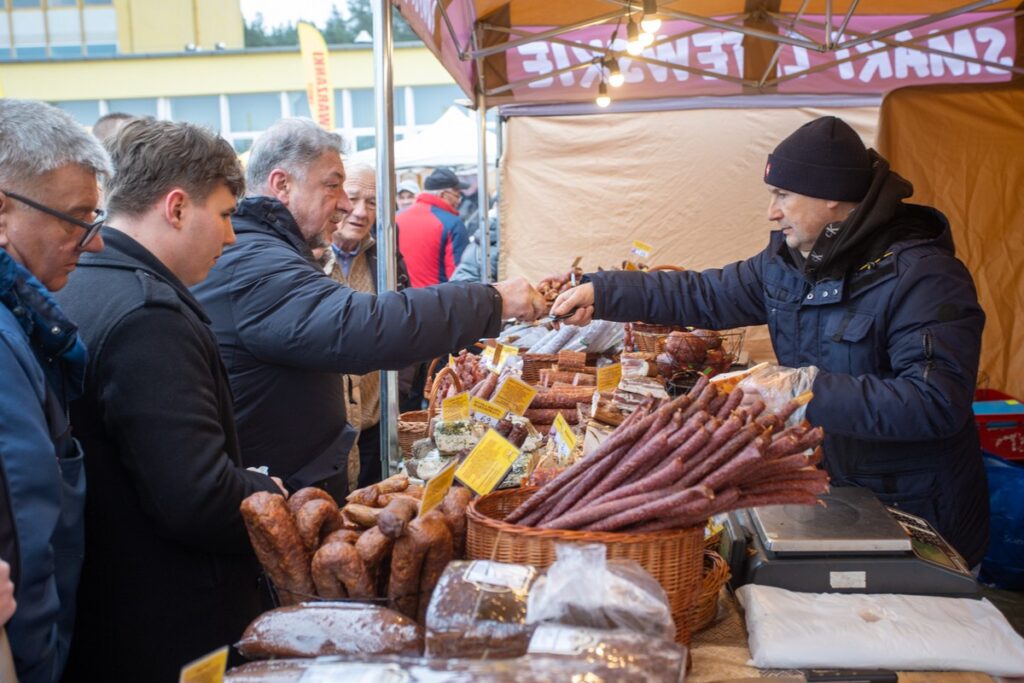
687 182
963 149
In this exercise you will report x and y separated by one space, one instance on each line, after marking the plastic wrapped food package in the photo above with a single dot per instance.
664 660
583 588
313 629
478 609
527 669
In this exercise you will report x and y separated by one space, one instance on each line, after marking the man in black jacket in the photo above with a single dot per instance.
169 574
286 330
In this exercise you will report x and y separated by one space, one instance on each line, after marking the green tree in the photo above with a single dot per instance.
337 30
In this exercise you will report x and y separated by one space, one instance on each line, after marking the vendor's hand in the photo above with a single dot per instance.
581 298
520 300
777 386
7 602
280 485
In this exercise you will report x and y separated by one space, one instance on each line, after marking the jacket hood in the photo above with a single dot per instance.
880 220
268 216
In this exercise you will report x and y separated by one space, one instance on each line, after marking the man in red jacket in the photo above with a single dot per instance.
431 236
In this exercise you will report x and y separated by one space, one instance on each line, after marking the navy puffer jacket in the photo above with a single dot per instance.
286 331
890 317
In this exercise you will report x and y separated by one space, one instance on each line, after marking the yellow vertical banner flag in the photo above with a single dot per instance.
318 75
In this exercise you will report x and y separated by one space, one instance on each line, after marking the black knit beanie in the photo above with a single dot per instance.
824 158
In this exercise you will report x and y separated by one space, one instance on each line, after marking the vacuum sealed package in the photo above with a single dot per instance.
527 669
583 588
661 660
478 610
330 628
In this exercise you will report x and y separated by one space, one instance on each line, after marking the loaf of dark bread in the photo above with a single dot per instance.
315 629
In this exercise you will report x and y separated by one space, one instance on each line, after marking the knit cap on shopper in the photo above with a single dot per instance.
825 159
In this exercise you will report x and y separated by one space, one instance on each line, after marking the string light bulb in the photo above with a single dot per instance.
633 44
646 39
651 22
615 77
603 100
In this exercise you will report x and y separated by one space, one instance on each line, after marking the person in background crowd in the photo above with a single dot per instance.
867 304
352 261
169 574
286 330
49 197
431 235
408 190
470 201
469 265
107 125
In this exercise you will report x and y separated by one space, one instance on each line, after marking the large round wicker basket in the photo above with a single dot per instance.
674 558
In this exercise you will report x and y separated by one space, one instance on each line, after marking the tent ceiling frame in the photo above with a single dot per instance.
913 43
599 58
472 52
778 48
726 26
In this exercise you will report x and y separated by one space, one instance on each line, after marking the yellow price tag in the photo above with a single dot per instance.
451 361
485 411
437 488
515 394
208 669
487 464
488 353
608 377
642 249
455 408
506 353
565 440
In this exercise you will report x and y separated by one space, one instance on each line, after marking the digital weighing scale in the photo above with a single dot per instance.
853 545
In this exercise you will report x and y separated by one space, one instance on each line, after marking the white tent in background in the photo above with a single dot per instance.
449 141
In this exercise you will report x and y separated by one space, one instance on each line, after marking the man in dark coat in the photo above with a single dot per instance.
867 305
169 574
49 167
286 330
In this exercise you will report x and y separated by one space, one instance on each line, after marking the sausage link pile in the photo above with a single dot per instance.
673 465
375 545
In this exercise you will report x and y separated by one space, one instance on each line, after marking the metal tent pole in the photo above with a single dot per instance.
387 265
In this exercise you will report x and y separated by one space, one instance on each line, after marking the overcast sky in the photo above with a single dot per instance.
277 12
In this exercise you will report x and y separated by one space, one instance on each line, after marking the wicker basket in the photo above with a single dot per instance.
716 575
414 425
673 557
650 338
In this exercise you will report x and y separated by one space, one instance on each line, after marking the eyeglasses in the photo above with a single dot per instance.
91 229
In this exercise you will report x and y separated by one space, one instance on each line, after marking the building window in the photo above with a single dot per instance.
84 111
100 28
431 101
29 34
136 106
25 3
254 112
203 110
363 108
99 2
299 105
61 3
64 27
99 50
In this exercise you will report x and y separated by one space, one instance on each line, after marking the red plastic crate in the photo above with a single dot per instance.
1001 435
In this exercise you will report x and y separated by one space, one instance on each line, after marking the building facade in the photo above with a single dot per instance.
183 60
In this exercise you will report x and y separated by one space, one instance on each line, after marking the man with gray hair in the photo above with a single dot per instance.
49 216
286 330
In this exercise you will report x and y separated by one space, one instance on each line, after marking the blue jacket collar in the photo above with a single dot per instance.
48 329
268 216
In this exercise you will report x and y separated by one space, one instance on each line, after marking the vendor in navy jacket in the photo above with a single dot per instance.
867 305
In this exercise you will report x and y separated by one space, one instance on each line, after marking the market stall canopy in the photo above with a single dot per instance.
531 51
449 141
